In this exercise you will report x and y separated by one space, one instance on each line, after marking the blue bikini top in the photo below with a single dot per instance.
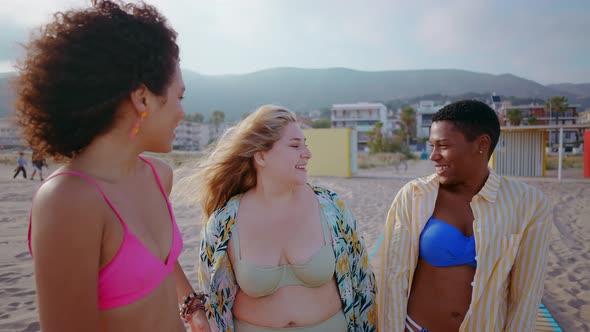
442 245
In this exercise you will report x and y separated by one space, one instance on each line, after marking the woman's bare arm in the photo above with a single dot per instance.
66 244
183 287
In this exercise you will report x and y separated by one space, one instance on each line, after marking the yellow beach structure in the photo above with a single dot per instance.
333 151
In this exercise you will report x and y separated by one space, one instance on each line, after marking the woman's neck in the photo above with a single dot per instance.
110 157
274 193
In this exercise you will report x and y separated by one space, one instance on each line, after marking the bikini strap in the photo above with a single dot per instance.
88 179
162 190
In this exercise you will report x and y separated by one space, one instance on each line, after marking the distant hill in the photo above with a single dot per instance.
302 90
579 94
6 95
582 90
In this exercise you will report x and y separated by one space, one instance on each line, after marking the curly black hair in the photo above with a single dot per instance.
473 118
82 65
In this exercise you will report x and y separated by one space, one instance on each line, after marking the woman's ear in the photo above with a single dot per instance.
259 159
139 99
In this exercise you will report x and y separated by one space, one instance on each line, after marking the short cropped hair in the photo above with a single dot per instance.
473 118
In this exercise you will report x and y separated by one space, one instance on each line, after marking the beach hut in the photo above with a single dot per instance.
333 150
521 150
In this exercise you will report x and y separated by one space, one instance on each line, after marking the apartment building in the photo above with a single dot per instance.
10 134
191 136
424 112
538 114
362 117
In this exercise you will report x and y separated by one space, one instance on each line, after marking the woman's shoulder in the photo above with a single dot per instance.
323 192
68 201
158 163
65 185
228 210
329 198
163 169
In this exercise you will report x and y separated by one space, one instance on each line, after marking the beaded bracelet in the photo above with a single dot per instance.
190 305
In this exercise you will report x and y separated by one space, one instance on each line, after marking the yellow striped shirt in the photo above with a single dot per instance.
511 228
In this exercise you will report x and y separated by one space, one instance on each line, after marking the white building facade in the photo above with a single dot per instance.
424 112
362 117
191 136
10 133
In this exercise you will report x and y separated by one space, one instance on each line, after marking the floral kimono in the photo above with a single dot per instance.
356 282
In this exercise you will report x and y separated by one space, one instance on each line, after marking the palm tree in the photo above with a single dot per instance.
408 118
376 138
514 115
557 104
533 121
194 117
216 119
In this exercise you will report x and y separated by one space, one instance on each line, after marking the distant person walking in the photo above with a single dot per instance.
38 162
20 167
401 162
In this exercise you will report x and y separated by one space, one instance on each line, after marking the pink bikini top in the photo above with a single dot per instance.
135 271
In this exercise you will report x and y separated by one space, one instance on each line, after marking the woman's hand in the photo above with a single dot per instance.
199 322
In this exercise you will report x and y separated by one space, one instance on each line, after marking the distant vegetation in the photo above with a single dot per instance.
569 161
379 159
195 117
322 123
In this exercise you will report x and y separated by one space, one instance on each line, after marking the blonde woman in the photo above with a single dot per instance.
277 253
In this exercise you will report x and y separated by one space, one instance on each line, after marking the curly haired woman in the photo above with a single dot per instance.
97 88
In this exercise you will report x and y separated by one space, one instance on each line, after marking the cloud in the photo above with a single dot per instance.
543 41
11 35
538 39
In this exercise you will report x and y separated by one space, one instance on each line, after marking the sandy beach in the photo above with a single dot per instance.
369 194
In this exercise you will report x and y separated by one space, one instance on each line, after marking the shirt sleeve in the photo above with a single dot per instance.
363 279
396 261
528 272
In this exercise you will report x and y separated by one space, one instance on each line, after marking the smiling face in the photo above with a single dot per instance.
455 158
165 114
287 159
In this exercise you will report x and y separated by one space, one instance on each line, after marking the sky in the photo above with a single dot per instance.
542 40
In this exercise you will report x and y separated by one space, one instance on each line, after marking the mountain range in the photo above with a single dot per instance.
303 90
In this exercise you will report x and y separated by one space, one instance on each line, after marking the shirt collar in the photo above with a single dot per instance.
489 191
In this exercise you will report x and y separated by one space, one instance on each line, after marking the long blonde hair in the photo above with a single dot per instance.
229 169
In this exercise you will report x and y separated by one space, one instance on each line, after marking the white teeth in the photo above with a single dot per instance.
300 167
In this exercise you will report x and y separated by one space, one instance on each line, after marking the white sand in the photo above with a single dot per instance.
567 288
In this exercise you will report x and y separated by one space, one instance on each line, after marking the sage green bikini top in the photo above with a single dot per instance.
259 281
